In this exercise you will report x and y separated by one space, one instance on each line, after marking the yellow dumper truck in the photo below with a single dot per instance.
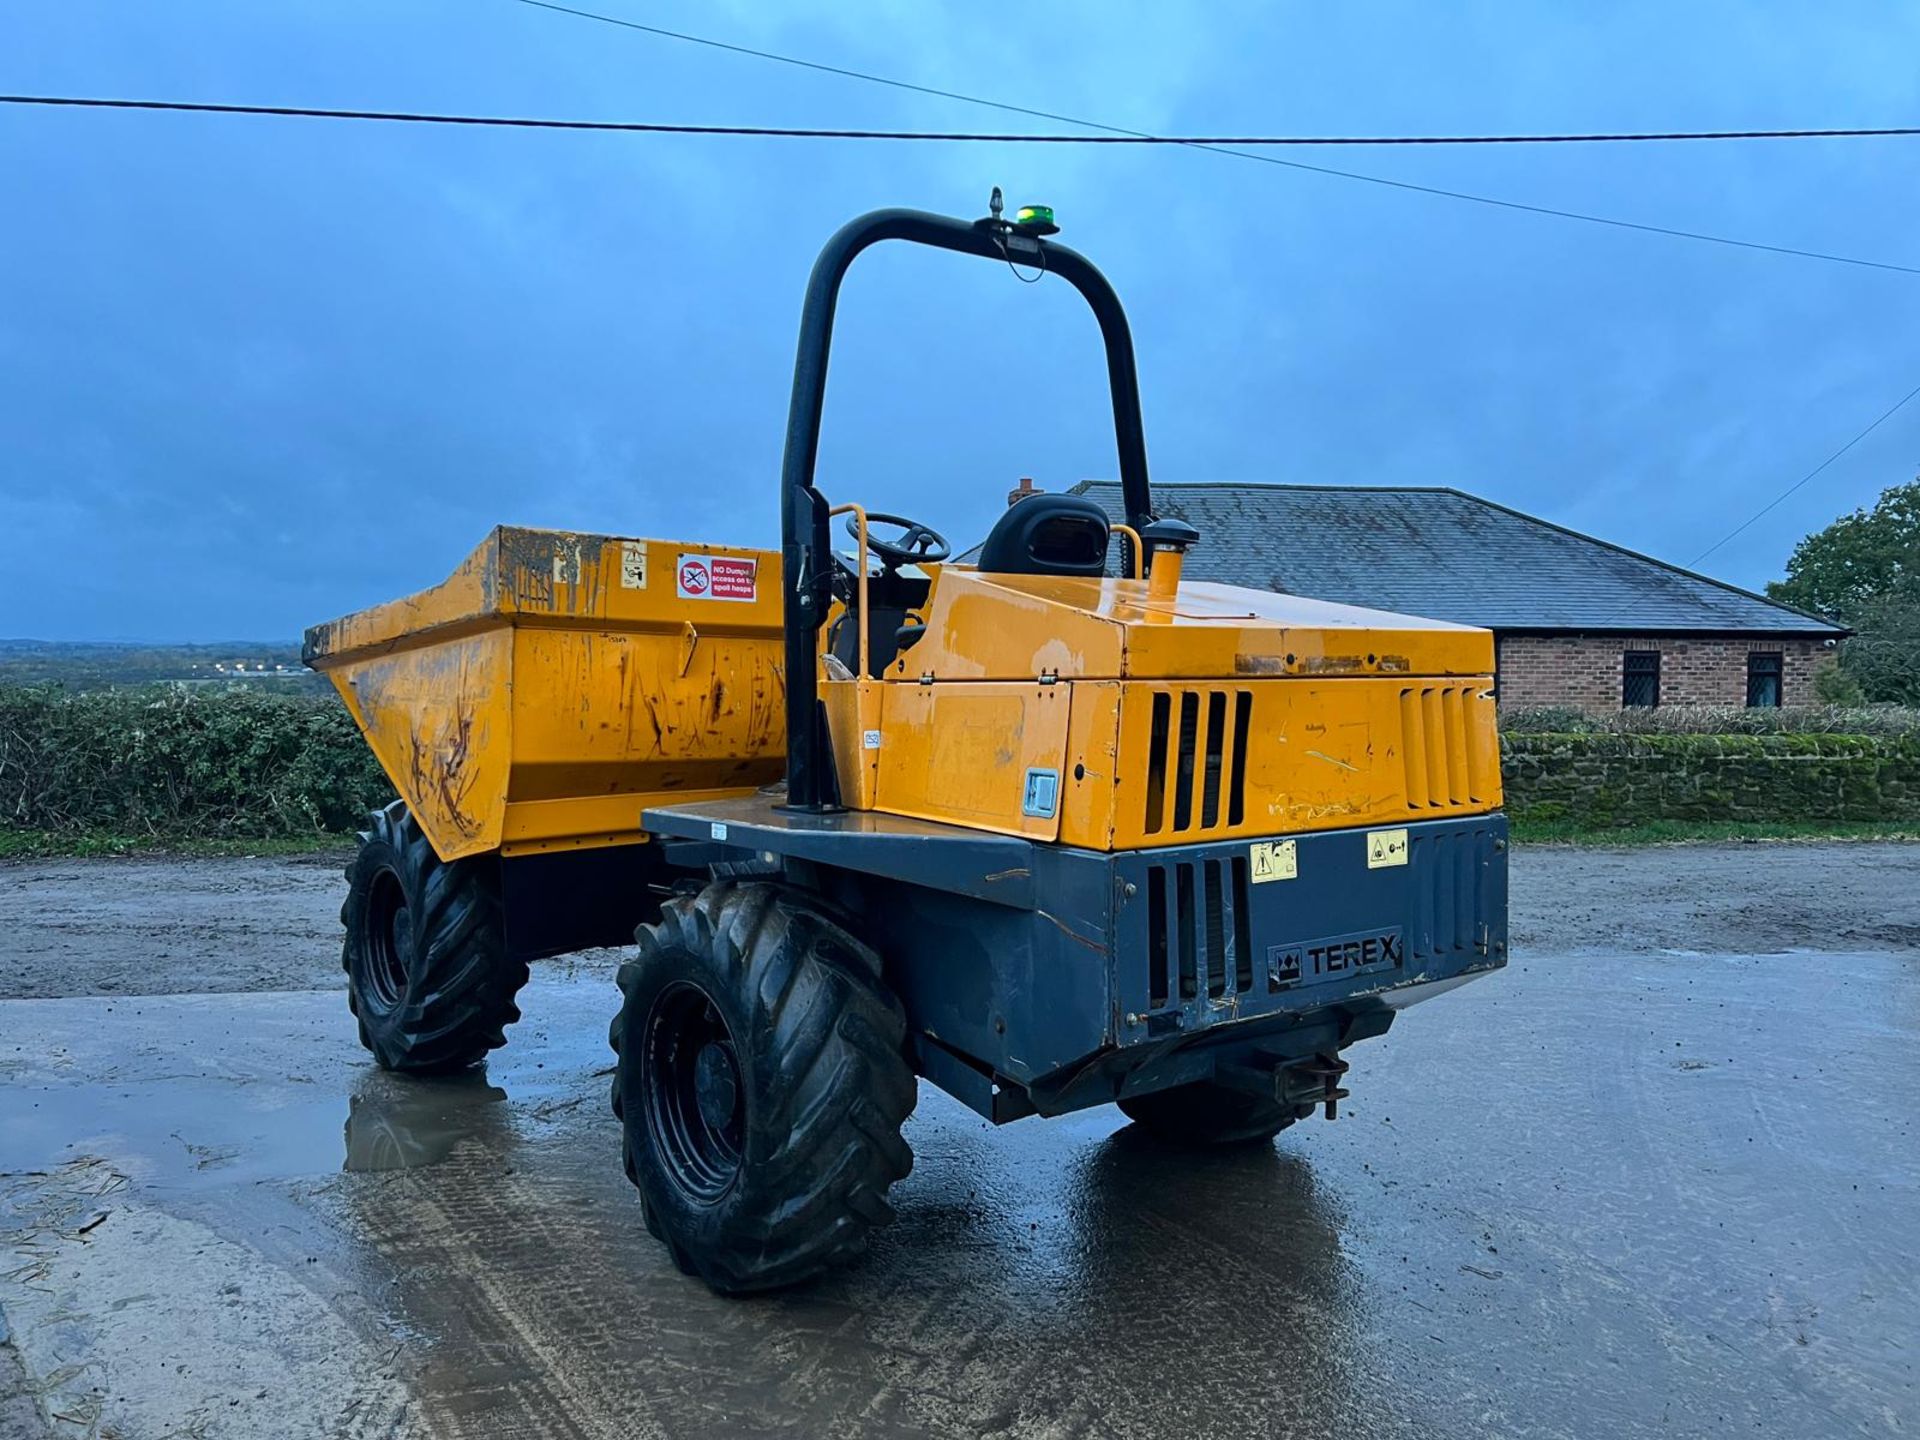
1055 829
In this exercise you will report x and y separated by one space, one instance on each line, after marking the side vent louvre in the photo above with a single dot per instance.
1156 937
1237 780
1197 929
1450 896
1197 762
1157 762
1183 796
1444 767
1183 932
1216 733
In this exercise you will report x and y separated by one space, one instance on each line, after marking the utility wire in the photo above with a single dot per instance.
1800 484
1807 478
1217 148
1139 134
1123 137
1218 145
999 138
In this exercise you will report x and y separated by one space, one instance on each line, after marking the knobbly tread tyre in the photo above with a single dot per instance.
824 1075
461 983
1204 1115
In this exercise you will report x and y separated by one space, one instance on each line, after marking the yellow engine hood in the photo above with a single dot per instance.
1015 627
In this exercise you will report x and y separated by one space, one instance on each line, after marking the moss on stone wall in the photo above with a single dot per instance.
1604 780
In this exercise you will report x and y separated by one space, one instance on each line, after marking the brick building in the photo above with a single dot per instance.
1577 621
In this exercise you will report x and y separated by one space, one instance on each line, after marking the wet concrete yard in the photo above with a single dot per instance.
1609 1191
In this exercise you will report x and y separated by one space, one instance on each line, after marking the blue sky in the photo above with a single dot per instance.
254 373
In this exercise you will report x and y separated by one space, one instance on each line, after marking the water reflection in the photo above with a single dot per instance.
399 1122
1207 1285
1141 1198
1072 1278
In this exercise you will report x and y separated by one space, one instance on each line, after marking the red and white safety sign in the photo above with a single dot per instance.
717 577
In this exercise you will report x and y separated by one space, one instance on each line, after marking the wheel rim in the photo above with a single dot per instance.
387 934
694 1100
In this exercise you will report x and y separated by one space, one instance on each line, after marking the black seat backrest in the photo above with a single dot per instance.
1049 535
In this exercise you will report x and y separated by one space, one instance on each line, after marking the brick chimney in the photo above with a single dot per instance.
1027 487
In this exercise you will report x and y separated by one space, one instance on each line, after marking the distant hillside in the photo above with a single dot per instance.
106 665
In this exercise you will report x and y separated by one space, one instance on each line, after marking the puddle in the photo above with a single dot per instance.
404 1125
186 1092
189 1133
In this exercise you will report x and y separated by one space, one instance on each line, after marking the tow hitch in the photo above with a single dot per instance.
1300 1084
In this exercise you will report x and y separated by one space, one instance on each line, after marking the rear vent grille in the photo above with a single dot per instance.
1197 921
1444 761
1197 760
1451 898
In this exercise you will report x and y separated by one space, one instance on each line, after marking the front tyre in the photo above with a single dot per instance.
1205 1114
428 974
761 1084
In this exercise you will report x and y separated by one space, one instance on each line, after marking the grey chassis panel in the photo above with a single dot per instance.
1238 949
996 946
994 868
1028 963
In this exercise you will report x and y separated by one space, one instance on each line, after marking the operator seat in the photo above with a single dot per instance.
893 613
1049 535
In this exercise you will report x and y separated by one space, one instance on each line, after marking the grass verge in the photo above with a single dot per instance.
42 844
1674 832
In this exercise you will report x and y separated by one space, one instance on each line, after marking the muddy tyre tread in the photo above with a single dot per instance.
828 1092
462 983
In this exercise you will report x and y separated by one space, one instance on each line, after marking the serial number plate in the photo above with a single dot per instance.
1339 957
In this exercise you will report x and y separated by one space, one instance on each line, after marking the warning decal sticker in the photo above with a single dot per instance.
1274 860
717 577
1386 847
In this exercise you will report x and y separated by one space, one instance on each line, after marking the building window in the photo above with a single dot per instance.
1640 678
1763 678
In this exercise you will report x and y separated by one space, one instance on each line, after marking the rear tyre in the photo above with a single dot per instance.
761 1085
428 974
1205 1114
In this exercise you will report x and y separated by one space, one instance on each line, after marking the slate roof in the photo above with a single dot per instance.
1447 555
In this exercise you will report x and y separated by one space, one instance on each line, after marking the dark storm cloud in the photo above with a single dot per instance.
253 372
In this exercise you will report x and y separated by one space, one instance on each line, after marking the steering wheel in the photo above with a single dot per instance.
916 544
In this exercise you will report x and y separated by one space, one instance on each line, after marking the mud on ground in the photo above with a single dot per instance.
164 926
1657 1177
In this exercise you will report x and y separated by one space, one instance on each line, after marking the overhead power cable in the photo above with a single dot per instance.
1810 476
804 132
1465 196
1218 145
1800 484
965 99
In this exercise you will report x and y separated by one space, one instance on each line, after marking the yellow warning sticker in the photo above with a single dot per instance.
633 565
1273 860
1386 847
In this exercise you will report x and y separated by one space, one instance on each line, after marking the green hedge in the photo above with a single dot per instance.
1621 780
1712 720
191 763
182 763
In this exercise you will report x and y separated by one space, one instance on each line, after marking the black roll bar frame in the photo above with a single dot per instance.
804 543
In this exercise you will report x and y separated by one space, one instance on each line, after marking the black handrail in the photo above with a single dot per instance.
804 545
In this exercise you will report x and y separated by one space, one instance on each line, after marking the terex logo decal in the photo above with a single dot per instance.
716 577
1312 962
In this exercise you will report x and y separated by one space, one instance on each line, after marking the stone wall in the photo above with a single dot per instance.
1584 670
1603 780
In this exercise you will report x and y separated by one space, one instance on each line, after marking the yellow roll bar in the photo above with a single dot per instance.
860 514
